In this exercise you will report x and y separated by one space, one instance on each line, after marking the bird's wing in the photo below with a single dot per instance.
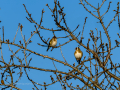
50 41
82 53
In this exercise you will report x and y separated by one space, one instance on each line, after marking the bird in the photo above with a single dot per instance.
78 54
52 42
2 81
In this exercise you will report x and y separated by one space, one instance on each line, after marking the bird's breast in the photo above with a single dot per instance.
54 43
78 55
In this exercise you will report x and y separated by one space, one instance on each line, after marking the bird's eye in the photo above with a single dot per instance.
76 48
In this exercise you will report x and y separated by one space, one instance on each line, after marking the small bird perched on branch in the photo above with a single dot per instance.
2 81
78 54
52 42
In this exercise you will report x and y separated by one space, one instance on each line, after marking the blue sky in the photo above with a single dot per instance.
13 12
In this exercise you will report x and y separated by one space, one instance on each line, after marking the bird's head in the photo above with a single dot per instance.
77 48
54 36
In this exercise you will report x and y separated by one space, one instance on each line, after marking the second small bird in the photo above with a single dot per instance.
78 54
52 42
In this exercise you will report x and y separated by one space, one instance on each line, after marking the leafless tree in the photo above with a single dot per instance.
100 65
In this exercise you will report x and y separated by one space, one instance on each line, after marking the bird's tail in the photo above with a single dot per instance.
78 61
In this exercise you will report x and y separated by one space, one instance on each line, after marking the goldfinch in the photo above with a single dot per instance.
52 42
78 54
2 81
